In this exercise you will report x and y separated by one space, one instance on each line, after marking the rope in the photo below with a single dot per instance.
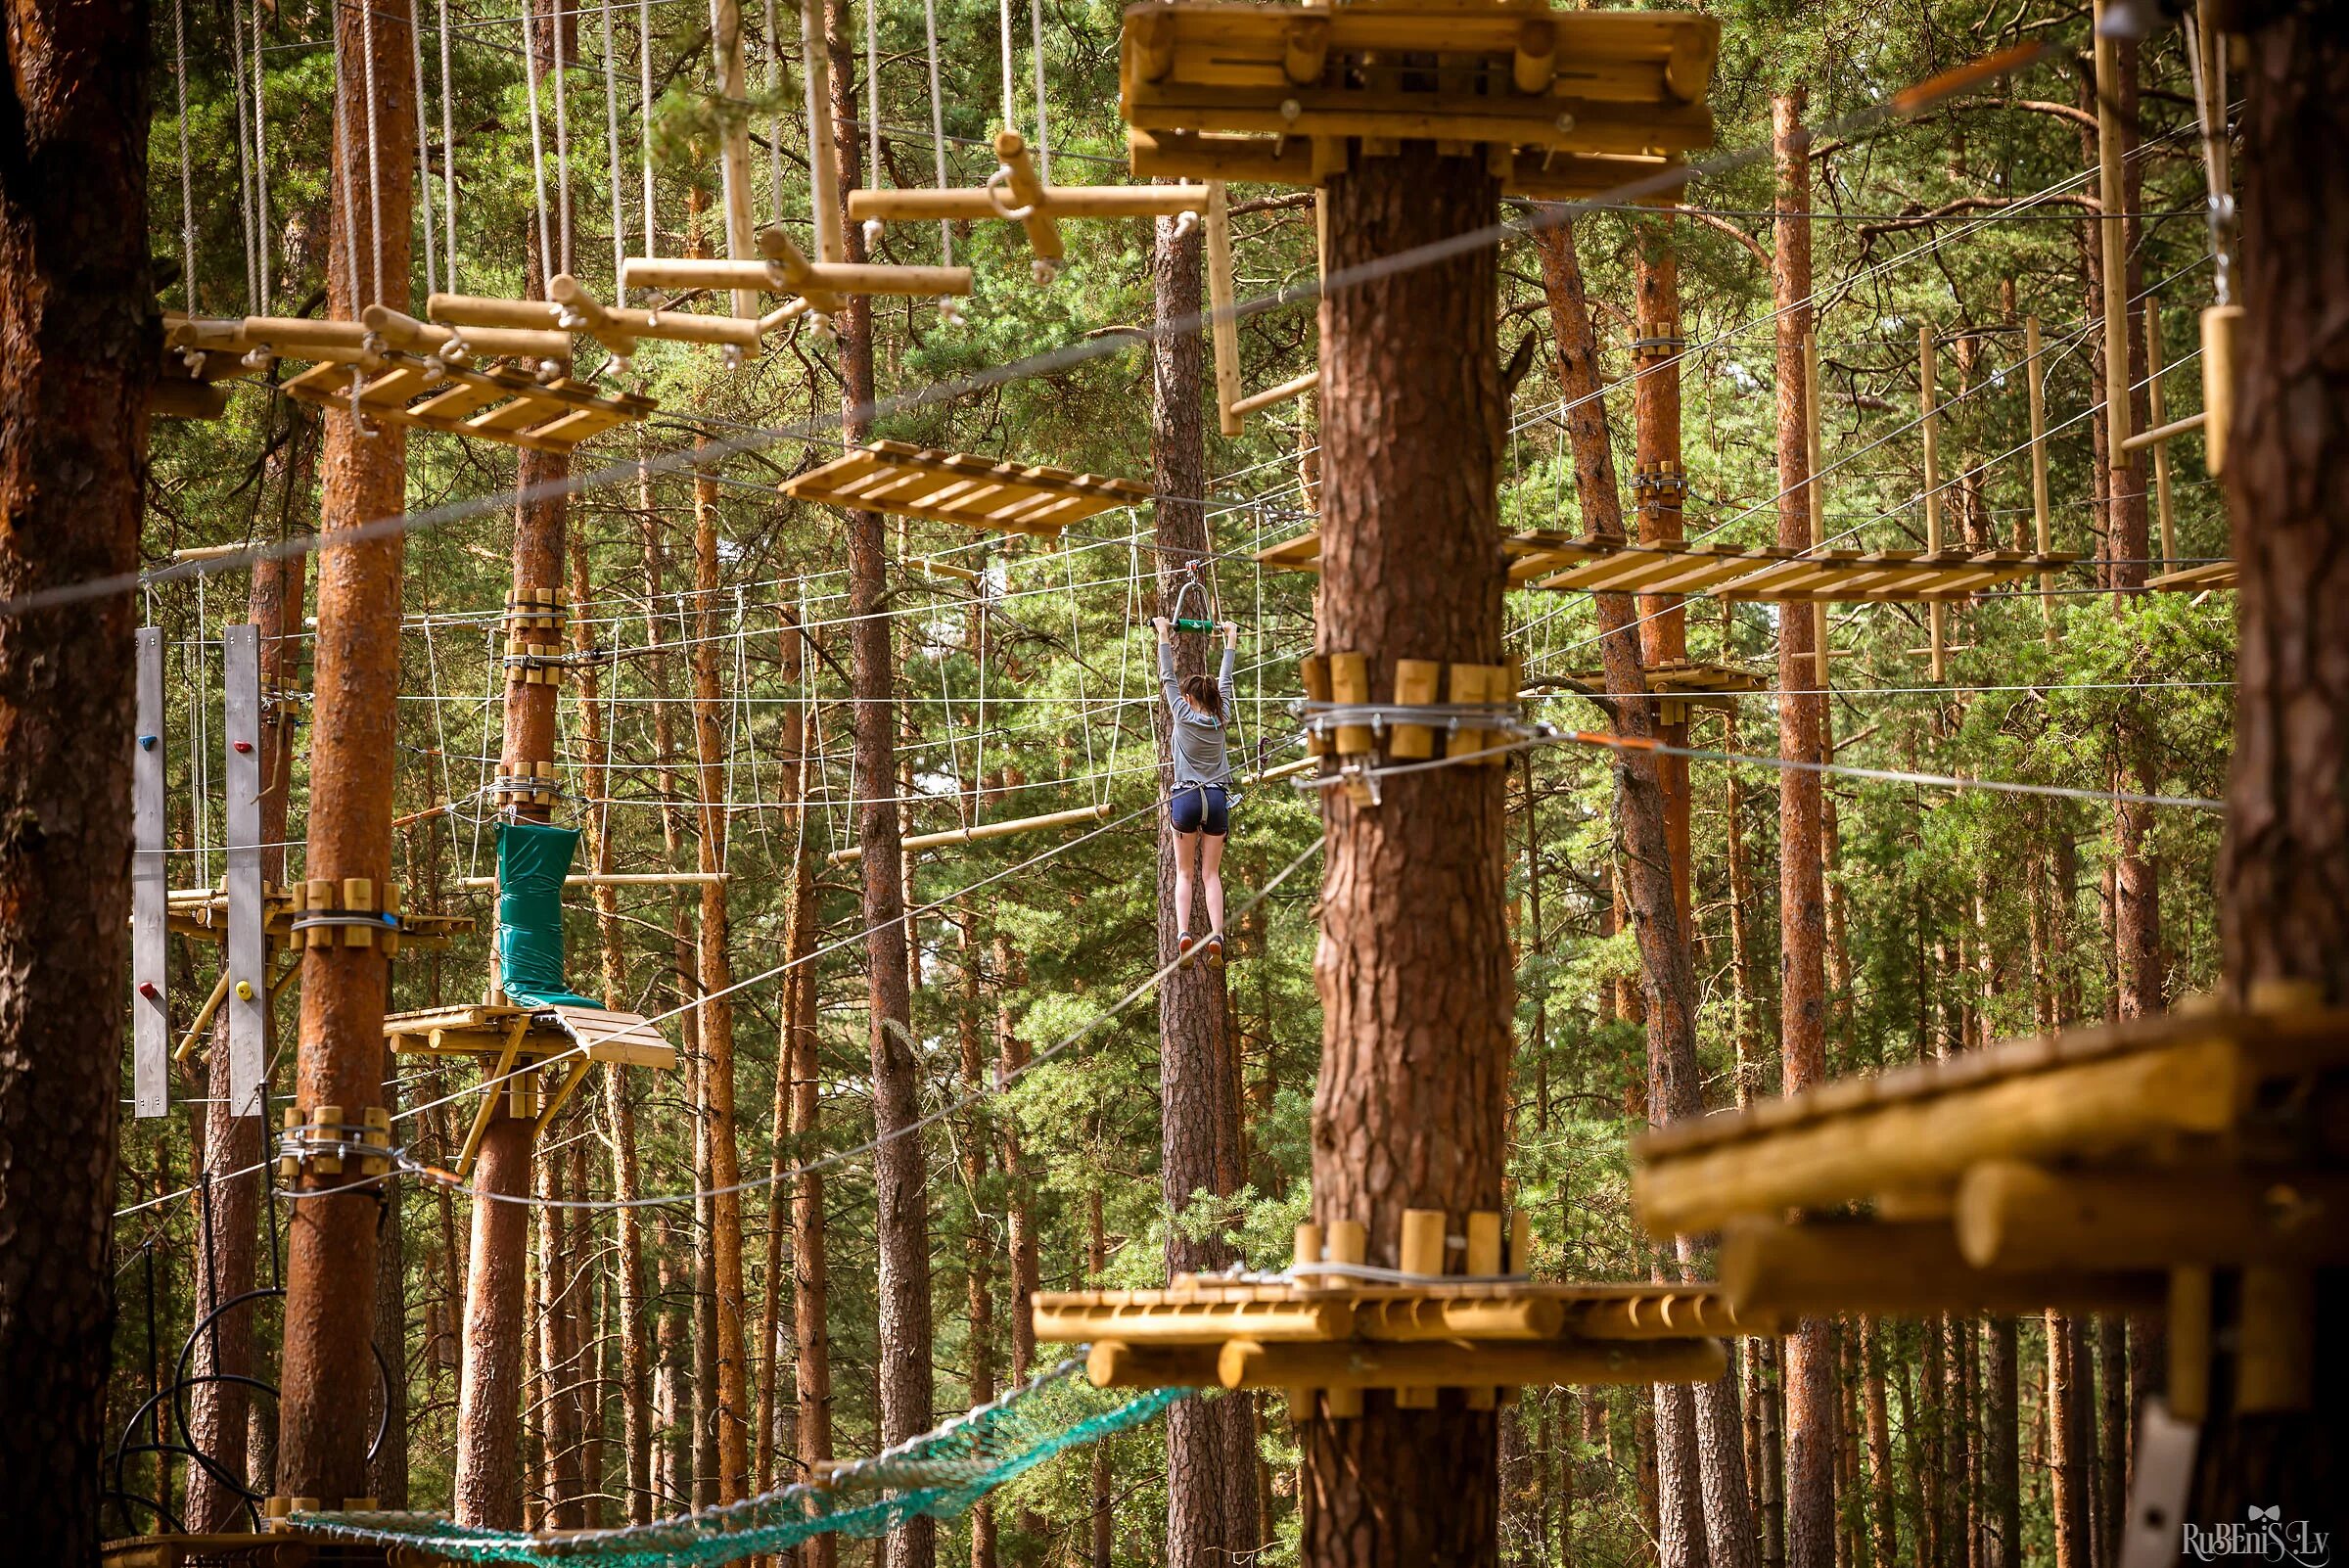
424 162
235 48
561 83
1044 126
644 126
260 164
1011 108
530 73
619 222
375 172
938 127
774 122
187 176
448 147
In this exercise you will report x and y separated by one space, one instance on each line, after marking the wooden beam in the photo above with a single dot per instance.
2166 433
1355 1365
492 1095
619 879
2013 1215
1223 328
1114 1363
1910 1268
986 830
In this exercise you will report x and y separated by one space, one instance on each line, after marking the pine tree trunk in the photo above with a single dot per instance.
1883 1531
784 1148
899 1164
557 1338
811 1279
1413 1087
1211 1465
2283 870
2064 1423
2001 1472
978 1353
672 1428
1104 1518
322 1431
1020 1197
230 1209
1802 881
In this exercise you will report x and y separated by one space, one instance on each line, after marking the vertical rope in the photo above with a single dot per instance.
619 225
774 122
1011 107
346 216
261 166
872 92
424 162
560 84
235 49
530 72
1044 126
448 147
375 169
937 129
187 176
644 117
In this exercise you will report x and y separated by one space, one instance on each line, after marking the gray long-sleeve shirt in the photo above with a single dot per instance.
1199 748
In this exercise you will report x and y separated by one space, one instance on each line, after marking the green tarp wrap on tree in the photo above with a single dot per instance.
533 859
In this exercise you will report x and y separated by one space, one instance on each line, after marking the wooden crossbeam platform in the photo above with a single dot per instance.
2203 579
952 487
482 1029
1563 102
203 913
1681 685
2075 1171
1017 195
1593 564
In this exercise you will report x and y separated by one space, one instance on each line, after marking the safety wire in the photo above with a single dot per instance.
423 157
187 167
937 126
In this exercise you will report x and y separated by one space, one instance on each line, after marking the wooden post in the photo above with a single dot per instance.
1410 510
734 150
1928 421
1820 646
331 1248
826 191
1225 328
2157 415
2035 385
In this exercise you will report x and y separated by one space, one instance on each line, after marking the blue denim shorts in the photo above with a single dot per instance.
1201 807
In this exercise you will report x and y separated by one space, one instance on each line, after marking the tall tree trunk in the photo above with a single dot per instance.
1882 1527
1019 1227
230 1205
716 1012
2283 869
557 1337
2064 1425
1412 1096
1211 1461
979 1290
673 1431
899 1166
1802 880
322 1431
1104 1521
1654 872
2001 1470
77 353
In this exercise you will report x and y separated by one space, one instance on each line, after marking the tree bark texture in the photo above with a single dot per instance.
1410 1107
2283 870
77 354
899 1170
2002 1468
1211 1449
810 1286
323 1430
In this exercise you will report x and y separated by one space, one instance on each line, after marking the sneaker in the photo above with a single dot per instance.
1215 946
1183 949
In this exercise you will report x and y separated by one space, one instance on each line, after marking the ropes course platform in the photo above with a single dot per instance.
1591 563
1683 685
203 913
484 1029
272 1550
951 487
1335 1328
2093 1169
1564 103
2207 577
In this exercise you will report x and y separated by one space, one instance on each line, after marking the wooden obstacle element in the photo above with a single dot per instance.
984 830
1563 103
1591 563
570 308
2102 1169
1233 406
2207 577
274 1550
1683 686
1014 194
1325 1336
951 487
518 1045
816 287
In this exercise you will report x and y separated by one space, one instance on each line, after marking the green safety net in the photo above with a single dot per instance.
533 859
941 1474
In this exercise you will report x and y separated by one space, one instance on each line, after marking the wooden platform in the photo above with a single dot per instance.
2084 1169
496 405
951 487
1562 103
482 1029
276 1549
1681 685
203 913
1593 565
2203 579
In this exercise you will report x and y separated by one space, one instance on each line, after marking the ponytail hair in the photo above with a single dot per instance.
1203 690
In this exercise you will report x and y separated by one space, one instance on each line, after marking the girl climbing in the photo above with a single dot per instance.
1201 803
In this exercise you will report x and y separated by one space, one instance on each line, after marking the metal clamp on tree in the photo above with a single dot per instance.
318 1144
1480 718
535 785
322 907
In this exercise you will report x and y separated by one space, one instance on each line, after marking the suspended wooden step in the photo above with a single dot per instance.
1324 1335
1593 564
1565 102
1014 194
497 405
2204 579
951 487
572 308
1683 686
2073 1170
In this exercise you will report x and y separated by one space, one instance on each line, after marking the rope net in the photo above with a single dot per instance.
942 1475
